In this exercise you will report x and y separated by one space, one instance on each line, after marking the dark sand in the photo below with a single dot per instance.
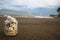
34 29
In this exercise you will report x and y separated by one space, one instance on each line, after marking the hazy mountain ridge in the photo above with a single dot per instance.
14 13
45 11
30 12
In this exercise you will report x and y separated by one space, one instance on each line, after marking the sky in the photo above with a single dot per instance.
29 4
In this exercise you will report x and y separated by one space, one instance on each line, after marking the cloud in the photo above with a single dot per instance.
0 8
29 3
36 3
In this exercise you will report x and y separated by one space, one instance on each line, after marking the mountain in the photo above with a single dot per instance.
14 13
30 12
7 11
44 11
41 11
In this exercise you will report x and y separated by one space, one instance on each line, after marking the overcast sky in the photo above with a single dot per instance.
29 3
32 4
